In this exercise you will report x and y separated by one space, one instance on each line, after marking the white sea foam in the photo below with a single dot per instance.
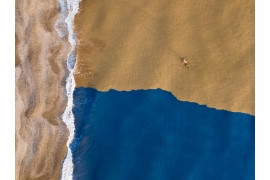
68 118
69 8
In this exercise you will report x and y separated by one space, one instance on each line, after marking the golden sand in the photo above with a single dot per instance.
127 45
41 71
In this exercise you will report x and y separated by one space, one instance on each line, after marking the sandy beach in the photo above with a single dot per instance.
41 72
129 45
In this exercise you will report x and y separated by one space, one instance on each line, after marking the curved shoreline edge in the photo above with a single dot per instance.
69 8
152 89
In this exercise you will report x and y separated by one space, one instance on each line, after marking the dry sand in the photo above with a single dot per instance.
125 45
41 71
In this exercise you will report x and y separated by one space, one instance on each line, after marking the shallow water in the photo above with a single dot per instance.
149 134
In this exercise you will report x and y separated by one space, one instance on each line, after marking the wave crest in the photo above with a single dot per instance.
69 8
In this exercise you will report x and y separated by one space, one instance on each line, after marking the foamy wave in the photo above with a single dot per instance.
68 118
73 8
69 8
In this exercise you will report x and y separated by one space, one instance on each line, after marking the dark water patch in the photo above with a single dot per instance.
149 134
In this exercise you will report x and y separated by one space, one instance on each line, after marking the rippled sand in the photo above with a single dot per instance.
41 71
127 45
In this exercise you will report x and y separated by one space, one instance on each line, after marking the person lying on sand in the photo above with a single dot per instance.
184 61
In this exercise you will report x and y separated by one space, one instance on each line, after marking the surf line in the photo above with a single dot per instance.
69 8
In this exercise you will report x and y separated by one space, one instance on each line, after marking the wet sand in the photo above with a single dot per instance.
129 45
41 72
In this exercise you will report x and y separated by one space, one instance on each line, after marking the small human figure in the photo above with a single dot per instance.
184 61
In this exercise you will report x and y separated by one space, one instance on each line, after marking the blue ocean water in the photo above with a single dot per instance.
150 135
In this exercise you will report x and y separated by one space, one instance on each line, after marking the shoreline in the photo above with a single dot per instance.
69 9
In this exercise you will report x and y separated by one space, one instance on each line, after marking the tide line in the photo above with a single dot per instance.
69 8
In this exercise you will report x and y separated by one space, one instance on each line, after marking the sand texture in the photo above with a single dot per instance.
129 45
41 71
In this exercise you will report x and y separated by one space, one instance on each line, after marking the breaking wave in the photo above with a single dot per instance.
69 8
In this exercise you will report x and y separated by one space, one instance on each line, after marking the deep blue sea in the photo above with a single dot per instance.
150 135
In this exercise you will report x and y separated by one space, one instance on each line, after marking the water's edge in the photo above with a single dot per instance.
69 8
